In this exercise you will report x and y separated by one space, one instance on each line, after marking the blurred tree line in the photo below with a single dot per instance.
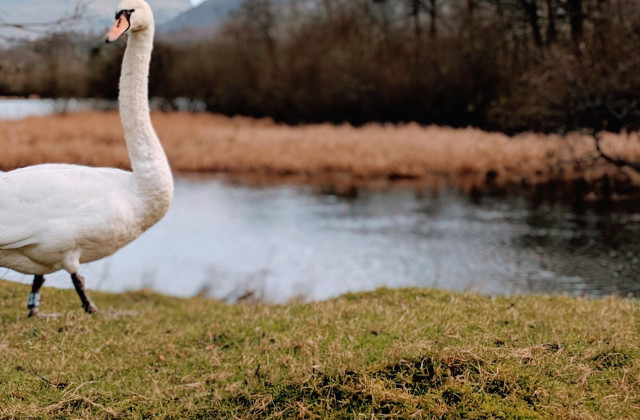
506 65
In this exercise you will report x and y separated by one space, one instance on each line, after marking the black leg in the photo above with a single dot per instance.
78 282
34 297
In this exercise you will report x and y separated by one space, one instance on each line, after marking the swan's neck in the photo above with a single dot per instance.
151 172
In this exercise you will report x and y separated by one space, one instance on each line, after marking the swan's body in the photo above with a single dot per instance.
65 215
57 216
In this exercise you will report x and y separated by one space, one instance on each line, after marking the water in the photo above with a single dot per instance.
281 243
14 109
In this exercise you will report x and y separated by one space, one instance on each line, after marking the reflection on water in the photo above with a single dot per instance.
282 243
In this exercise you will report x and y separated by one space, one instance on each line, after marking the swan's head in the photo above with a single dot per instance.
131 15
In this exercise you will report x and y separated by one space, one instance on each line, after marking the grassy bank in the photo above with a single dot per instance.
386 354
337 154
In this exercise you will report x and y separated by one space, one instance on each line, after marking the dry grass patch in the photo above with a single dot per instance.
244 146
387 354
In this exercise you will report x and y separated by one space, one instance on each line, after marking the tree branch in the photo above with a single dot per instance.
78 13
621 163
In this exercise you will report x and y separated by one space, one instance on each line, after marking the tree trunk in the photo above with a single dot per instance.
471 9
415 14
531 10
576 18
433 13
552 31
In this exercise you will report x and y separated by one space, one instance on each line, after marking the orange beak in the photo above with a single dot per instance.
118 29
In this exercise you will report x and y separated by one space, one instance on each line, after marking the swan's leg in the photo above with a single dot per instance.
34 297
78 282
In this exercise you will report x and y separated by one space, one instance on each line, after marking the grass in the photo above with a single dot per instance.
341 154
385 354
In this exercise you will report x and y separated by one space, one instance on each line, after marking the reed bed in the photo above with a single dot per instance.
263 149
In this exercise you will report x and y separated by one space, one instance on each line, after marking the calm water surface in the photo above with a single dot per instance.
281 243
13 109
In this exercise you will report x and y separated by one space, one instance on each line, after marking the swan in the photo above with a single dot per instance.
57 216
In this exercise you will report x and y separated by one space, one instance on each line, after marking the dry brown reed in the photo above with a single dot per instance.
243 146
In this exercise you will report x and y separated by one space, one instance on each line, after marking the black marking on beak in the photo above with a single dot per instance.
126 13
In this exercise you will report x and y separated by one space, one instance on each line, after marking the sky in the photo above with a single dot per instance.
196 2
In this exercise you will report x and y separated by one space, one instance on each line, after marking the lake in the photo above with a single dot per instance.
232 242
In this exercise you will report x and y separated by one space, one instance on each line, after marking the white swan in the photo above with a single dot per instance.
58 216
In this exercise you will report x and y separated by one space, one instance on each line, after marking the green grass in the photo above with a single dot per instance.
386 354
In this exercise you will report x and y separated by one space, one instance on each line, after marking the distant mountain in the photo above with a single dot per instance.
204 16
98 15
